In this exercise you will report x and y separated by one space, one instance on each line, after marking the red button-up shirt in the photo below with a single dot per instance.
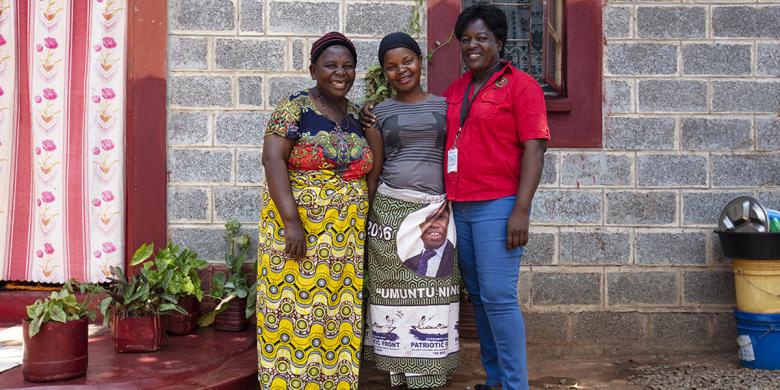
508 111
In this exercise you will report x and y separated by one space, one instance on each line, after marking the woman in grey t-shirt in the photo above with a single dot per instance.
412 275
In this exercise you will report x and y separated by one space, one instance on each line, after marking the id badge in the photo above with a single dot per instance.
452 160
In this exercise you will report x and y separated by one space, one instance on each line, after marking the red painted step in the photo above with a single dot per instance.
205 359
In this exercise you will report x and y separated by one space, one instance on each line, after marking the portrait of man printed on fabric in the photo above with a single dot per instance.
434 252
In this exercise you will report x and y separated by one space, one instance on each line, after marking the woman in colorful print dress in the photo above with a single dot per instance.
412 275
312 231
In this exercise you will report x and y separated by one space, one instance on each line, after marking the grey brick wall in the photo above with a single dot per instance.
691 121
621 257
230 62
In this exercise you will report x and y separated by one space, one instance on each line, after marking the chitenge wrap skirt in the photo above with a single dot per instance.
413 287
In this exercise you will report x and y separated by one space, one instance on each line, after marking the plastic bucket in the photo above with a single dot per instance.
233 319
758 338
137 334
178 324
757 284
58 352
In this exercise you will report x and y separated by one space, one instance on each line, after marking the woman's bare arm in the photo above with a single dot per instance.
374 138
276 153
530 175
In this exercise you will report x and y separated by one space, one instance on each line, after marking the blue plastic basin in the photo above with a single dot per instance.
758 337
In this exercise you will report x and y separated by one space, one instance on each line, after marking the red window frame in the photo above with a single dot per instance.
550 73
146 177
576 119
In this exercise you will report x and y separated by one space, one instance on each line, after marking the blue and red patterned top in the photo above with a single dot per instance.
321 144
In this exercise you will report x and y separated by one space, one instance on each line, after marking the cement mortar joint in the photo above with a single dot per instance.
553 228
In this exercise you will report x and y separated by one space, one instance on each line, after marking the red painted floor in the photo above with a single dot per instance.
206 359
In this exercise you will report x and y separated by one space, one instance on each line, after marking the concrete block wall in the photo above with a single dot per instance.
230 62
622 257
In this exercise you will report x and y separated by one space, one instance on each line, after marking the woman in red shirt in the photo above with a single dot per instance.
496 139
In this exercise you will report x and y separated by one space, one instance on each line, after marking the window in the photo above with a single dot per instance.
557 42
145 161
553 45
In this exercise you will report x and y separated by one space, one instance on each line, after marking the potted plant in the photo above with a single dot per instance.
180 269
236 297
60 320
134 305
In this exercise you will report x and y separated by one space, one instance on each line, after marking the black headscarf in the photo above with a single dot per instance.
396 40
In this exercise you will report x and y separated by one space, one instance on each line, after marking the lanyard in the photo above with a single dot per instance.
465 109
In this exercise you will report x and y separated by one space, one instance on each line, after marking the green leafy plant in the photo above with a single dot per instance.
232 284
414 26
378 88
61 306
144 294
178 270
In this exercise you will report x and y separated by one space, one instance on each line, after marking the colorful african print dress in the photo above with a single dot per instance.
309 311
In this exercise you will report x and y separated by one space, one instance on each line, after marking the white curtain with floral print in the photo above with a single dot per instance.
62 121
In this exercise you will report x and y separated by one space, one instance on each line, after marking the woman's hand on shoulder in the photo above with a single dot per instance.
367 117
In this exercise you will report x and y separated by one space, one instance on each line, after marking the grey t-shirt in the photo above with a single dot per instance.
413 135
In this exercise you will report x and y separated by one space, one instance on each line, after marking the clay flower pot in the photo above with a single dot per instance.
137 334
233 319
178 324
58 352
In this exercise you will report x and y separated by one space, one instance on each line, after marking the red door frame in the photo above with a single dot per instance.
576 120
146 180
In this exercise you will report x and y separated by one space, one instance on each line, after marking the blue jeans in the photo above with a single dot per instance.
491 273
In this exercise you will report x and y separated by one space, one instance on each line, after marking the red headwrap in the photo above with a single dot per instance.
330 39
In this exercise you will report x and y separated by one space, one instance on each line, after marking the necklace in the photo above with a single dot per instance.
338 141
326 102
